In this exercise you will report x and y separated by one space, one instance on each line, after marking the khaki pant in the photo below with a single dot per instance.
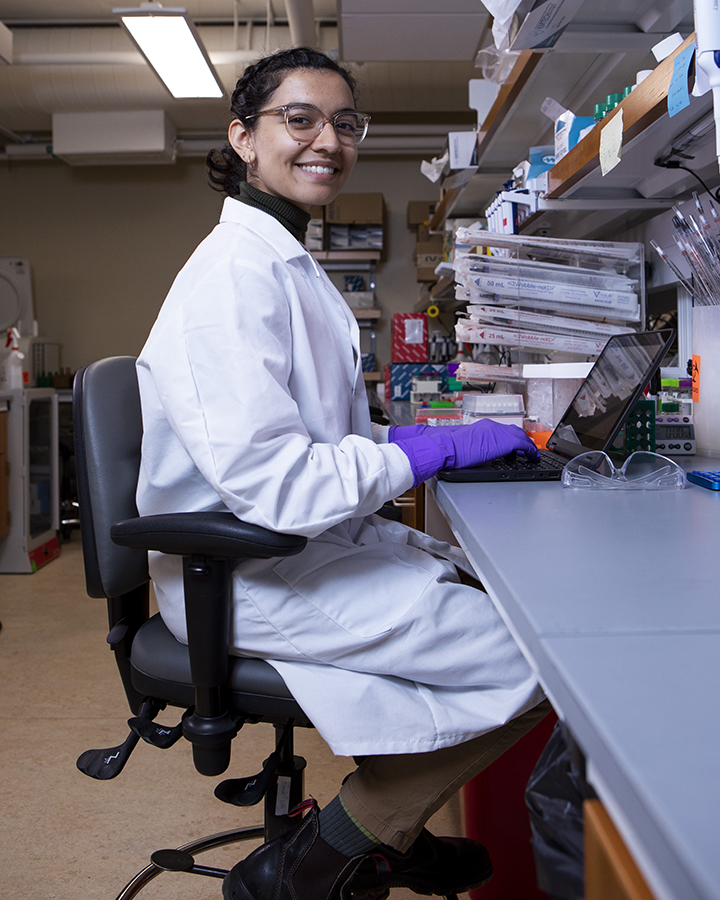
394 796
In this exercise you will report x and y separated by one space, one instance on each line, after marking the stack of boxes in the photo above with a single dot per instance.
428 247
351 222
409 355
315 235
355 222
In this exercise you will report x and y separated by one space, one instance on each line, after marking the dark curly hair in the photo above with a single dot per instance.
256 86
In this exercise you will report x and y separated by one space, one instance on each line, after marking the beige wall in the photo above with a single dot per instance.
104 244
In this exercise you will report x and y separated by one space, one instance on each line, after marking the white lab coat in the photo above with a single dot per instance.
253 401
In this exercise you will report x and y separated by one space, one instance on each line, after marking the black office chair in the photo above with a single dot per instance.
218 693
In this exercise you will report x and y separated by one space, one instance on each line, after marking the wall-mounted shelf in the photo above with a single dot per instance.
347 256
633 191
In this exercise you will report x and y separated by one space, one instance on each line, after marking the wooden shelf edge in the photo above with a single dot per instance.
347 255
372 376
646 104
507 95
367 313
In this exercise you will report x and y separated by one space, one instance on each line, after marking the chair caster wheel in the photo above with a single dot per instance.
173 860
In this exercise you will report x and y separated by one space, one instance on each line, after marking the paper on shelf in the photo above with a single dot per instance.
611 143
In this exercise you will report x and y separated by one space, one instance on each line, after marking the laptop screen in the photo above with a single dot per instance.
607 396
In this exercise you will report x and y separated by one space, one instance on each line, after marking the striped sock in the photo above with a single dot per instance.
343 832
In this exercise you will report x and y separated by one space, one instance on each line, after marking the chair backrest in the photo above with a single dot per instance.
107 424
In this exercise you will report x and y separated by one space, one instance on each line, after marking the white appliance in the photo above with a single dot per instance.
32 434
16 301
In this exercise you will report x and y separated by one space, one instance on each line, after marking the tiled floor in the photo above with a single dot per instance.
68 837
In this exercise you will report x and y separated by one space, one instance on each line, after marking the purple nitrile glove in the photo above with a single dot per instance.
471 445
402 432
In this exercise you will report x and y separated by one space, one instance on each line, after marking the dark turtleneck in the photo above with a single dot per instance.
291 216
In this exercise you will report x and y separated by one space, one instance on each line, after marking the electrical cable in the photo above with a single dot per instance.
674 164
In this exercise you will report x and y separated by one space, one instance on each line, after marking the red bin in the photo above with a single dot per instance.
495 814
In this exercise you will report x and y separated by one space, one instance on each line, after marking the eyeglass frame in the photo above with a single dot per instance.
364 117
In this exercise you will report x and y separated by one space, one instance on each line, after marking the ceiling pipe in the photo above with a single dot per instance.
301 19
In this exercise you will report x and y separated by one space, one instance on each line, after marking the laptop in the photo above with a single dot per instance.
595 416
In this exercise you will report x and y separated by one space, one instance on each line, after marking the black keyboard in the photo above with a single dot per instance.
548 462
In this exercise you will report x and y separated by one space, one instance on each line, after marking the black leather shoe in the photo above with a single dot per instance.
298 865
433 865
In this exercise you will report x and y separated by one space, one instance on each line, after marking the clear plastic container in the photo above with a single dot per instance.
506 408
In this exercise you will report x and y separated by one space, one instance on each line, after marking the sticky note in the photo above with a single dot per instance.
696 378
611 142
678 97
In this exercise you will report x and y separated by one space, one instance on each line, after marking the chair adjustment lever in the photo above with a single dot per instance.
156 734
180 861
109 763
249 791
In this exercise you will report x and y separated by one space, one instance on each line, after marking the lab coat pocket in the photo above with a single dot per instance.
365 591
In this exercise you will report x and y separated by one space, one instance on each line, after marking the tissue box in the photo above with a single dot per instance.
408 337
399 376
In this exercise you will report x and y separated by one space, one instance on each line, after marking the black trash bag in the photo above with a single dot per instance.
554 798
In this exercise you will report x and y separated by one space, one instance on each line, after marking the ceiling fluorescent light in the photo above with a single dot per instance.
170 43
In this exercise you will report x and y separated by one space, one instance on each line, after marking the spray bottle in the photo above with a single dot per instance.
707 52
12 370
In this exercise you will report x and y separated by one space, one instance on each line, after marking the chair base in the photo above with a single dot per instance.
221 839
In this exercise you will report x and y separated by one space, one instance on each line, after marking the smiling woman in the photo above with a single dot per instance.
282 106
253 402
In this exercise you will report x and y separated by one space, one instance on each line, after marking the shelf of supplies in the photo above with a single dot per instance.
367 313
346 256
648 132
644 106
504 102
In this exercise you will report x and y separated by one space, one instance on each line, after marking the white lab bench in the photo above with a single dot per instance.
614 598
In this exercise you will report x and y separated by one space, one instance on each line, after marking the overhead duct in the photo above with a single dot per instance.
110 138
301 19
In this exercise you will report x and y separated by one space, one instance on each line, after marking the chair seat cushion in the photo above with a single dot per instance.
161 668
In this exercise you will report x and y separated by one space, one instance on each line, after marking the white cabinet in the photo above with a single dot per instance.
33 489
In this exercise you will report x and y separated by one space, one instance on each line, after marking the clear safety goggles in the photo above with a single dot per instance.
641 471
305 122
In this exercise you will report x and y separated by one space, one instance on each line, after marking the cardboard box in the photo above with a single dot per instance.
356 209
419 212
424 236
428 255
355 237
408 338
399 376
315 234
359 299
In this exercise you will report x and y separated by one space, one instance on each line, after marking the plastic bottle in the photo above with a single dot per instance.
12 364
601 110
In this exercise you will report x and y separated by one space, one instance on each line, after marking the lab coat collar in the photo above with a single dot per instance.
265 225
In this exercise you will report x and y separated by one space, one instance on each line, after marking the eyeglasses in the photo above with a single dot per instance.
641 471
305 122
